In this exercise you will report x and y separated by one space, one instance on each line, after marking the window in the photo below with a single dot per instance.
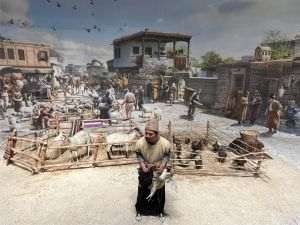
148 51
117 53
11 53
43 56
21 54
2 53
136 50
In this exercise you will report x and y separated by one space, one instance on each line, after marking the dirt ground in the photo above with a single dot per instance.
107 195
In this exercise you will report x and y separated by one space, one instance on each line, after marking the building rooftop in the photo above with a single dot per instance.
146 34
266 48
22 43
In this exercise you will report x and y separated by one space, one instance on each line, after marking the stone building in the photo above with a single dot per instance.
262 53
147 49
280 77
97 73
28 58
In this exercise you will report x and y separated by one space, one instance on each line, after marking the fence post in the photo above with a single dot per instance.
42 155
97 149
207 129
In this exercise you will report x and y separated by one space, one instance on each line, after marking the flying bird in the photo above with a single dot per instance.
58 4
24 24
48 1
95 26
92 2
88 30
11 21
53 28
74 7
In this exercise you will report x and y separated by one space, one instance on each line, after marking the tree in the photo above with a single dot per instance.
210 61
229 60
279 44
195 62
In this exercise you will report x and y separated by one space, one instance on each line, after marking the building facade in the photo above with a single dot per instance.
148 49
28 58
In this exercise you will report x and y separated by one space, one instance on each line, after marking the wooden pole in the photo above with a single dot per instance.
207 129
188 55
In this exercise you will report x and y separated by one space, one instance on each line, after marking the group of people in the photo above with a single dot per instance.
15 101
41 116
167 93
132 100
248 109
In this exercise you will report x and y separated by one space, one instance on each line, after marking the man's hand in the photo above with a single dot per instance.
145 167
159 167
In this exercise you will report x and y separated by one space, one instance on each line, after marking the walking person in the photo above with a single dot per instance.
254 107
291 112
153 154
172 94
194 101
5 98
17 101
273 114
2 111
242 107
140 98
105 106
129 103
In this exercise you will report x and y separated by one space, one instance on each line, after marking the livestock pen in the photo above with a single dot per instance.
207 151
204 150
48 151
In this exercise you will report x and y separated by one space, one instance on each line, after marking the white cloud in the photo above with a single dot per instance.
236 27
13 9
72 51
160 20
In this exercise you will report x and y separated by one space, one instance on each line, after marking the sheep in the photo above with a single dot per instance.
80 138
114 138
154 113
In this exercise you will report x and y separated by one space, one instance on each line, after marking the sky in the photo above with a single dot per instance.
232 28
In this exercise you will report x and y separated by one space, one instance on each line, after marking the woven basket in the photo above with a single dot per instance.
249 135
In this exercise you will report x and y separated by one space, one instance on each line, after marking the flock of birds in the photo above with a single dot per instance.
92 3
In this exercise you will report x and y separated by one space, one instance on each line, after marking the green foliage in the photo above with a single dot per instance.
229 60
280 53
195 62
279 43
210 61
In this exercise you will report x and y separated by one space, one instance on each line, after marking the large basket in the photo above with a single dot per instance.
249 135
